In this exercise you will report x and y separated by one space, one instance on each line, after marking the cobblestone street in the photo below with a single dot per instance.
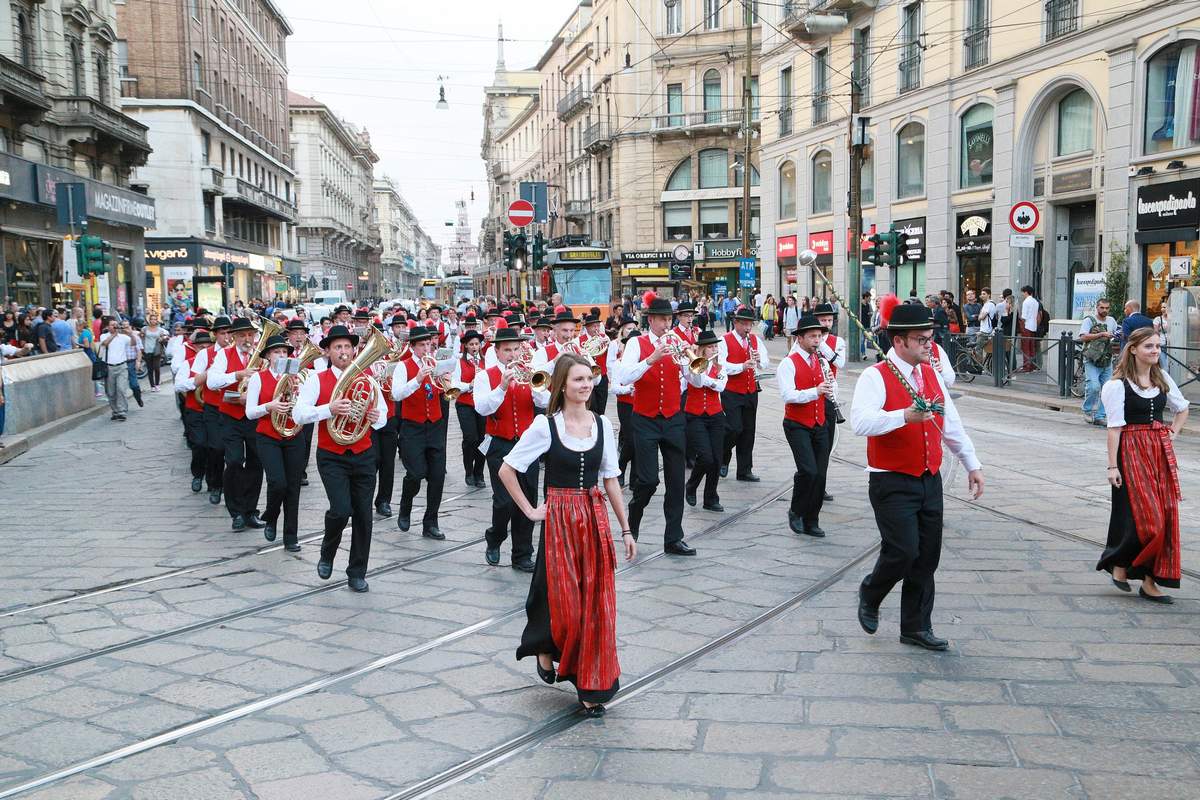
146 651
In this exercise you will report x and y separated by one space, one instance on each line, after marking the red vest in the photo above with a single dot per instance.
811 414
266 390
468 377
743 382
657 392
515 414
913 449
233 363
324 440
189 399
831 343
212 397
688 335
423 405
627 399
703 401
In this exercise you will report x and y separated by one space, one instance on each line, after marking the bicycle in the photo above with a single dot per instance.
967 363
1078 377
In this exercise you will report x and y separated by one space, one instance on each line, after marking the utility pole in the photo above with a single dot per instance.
748 135
854 250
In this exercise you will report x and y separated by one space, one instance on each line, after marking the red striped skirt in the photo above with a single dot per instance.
580 587
1151 477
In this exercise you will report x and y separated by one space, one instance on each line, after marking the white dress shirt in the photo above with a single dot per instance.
218 375
986 313
536 441
785 375
868 418
835 355
631 367
1029 312
174 348
116 352
255 409
764 360
489 400
706 381
945 368
306 409
1113 397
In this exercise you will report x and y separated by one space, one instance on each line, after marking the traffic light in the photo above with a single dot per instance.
520 251
538 256
883 252
874 255
227 271
90 252
508 250
902 248
106 257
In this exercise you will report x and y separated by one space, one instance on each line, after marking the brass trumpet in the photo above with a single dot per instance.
522 369
445 381
360 388
683 355
282 421
266 329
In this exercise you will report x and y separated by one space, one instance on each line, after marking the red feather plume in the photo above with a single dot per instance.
887 304
559 309
501 323
648 298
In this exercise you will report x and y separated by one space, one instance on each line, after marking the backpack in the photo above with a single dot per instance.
1097 351
1043 321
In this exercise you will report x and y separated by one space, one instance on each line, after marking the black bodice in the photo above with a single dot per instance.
1143 410
573 469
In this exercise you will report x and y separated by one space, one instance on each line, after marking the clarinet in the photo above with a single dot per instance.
827 376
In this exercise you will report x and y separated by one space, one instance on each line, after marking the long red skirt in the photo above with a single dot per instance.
572 603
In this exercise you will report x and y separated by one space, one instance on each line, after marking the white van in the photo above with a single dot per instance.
322 304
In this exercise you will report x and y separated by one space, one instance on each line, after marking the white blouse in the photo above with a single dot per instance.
1113 397
536 441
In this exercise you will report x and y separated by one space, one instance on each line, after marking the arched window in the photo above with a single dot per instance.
787 190
1075 123
102 78
78 85
737 171
714 169
975 147
1171 121
822 182
712 96
681 178
25 39
910 160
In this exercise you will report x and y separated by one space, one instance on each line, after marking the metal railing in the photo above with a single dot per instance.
820 108
910 71
596 136
697 119
975 44
1062 18
785 120
574 100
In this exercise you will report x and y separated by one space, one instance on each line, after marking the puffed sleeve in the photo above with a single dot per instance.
533 443
1112 395
609 467
1175 399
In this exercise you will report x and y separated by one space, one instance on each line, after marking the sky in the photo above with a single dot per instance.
376 62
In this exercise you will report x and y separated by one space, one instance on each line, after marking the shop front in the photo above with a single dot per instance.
669 273
973 246
1168 218
716 264
785 258
182 273
911 274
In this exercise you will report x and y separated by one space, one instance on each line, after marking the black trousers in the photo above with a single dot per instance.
423 452
625 437
308 437
214 443
193 429
908 512
705 440
473 426
283 465
349 480
741 418
599 401
243 471
384 442
650 436
180 401
810 452
504 510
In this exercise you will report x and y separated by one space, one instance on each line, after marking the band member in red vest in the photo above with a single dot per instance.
565 328
193 414
509 405
214 421
438 325
624 393
543 331
422 432
706 424
243 472
657 424
804 389
347 470
297 335
593 328
385 441
737 353
472 423
904 410
832 350
685 316
282 456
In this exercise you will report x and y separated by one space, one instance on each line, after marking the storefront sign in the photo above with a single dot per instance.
1181 266
914 231
646 256
103 201
722 250
1169 205
746 273
785 249
974 232
1087 288
16 178
166 254
1076 181
639 271
821 243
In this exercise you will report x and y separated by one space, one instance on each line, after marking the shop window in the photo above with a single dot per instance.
677 221
1158 272
910 161
1075 123
975 146
1172 99
754 217
822 182
714 219
787 190
714 169
681 178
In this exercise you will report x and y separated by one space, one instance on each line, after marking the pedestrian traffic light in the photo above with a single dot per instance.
508 250
520 251
538 255
89 250
106 257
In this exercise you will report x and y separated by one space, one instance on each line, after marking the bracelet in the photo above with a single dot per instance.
630 533
1114 467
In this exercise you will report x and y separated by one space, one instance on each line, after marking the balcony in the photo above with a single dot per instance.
578 209
698 121
89 120
820 108
910 71
576 100
597 137
976 47
212 179
1062 18
238 191
499 170
21 90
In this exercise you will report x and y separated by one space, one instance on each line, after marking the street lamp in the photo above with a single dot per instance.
441 104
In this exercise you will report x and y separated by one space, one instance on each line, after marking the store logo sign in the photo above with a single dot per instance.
1169 206
973 226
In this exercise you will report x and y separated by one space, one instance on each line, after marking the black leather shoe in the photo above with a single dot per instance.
492 554
828 497
481 483
214 496
383 508
717 507
524 565
796 524
254 521
925 639
238 522
868 615
269 533
724 471
680 548
324 569
403 521
292 546
433 532
547 675
749 477
814 531
594 712
1122 585
357 584
690 497
1163 599
197 485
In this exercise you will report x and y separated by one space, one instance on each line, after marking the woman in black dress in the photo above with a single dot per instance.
1143 530
571 608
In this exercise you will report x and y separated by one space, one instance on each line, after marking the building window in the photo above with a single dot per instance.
681 178
861 67
820 84
975 40
102 79
1074 123
206 147
910 161
675 19
738 158
712 96
910 49
822 182
867 182
1062 17
714 169
787 190
785 101
677 221
754 217
194 9
198 71
712 14
714 219
25 39
675 104
78 81
975 146
1172 97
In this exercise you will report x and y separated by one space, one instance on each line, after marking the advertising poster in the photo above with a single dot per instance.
1088 288
208 296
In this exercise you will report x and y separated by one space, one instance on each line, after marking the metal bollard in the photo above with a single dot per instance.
1066 353
998 358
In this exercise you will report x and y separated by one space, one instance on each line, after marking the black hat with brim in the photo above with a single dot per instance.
809 323
297 325
493 312
277 341
221 323
686 307
469 335
241 324
544 322
660 306
706 338
588 319
911 317
628 320
339 309
506 335
339 332
745 314
420 334
202 337
823 309
566 316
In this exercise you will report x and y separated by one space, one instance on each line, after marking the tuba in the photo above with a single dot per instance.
282 421
266 329
686 357
360 388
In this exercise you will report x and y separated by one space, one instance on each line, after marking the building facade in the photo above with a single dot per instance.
212 94
398 227
1085 108
337 245
60 123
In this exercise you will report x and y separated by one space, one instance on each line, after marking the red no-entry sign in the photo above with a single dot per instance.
520 213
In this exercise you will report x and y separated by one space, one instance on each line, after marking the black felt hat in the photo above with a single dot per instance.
565 316
420 334
277 341
221 324
297 325
202 337
707 337
469 335
746 314
660 306
686 307
241 324
339 332
507 335
809 323
823 309
911 317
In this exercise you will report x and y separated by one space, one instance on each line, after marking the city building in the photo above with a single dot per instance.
399 275
336 245
60 123
1086 109
212 95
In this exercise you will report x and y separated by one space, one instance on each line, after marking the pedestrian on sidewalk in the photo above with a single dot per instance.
154 342
791 318
1097 332
114 350
1029 325
1143 527
133 361
1134 319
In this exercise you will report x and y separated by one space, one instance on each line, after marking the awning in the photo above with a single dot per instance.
1160 235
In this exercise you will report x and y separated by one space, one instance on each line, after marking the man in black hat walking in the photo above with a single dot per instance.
214 421
705 424
832 350
297 336
904 410
422 432
803 387
243 471
282 456
741 354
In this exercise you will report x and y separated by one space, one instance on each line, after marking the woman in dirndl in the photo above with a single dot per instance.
1143 530
572 603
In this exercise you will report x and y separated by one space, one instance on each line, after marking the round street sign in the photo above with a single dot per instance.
1024 217
520 213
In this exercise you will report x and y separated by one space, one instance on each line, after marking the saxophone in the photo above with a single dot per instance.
360 388
282 421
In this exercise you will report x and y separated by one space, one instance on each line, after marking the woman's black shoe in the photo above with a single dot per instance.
592 711
547 675
1164 599
1122 585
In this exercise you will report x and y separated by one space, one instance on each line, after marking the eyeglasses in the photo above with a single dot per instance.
922 341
